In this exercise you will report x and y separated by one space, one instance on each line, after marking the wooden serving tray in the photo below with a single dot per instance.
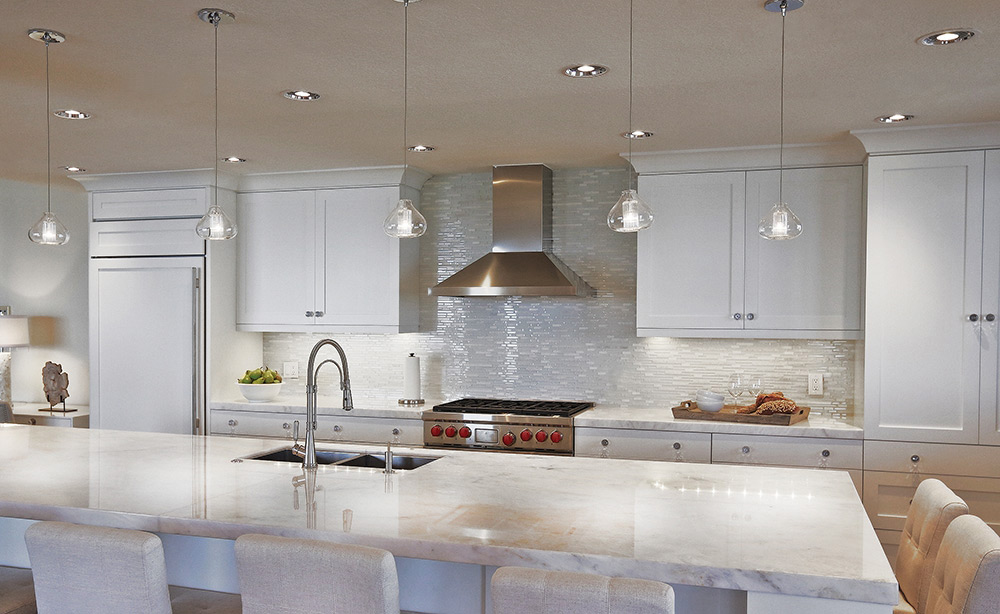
688 410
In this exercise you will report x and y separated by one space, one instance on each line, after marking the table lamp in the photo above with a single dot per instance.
13 333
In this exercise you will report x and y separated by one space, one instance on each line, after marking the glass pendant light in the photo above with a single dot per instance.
405 222
780 223
48 230
215 225
630 213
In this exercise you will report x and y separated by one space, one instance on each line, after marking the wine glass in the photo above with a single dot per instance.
737 386
754 385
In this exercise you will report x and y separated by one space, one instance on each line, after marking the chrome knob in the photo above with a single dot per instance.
233 422
746 449
310 314
737 316
749 316
320 314
605 443
286 426
677 445
825 453
337 428
990 317
915 458
395 431
973 317
32 421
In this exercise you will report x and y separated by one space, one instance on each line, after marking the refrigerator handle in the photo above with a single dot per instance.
196 357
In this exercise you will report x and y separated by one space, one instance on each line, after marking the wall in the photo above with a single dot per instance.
47 283
560 348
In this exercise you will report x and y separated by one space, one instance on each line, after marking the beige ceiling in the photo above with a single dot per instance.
484 77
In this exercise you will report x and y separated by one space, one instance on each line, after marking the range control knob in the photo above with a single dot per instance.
525 435
436 430
465 432
555 437
541 436
508 439
450 431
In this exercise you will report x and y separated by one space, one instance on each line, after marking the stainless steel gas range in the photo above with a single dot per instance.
539 427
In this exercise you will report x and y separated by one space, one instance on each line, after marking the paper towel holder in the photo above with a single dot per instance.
413 401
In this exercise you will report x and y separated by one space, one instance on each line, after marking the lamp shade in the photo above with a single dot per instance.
13 331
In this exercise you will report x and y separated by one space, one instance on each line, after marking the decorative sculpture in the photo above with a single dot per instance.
56 384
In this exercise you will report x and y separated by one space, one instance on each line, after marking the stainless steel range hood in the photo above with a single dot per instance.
520 263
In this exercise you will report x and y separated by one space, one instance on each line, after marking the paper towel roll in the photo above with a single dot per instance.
411 378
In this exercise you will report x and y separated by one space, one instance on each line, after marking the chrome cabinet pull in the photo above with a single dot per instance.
337 428
286 426
605 443
677 445
320 314
310 314
395 431
825 453
915 458
973 317
737 316
750 316
233 422
746 449
990 317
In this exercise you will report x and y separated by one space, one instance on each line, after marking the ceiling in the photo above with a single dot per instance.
485 82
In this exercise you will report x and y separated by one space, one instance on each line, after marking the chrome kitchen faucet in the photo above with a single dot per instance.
309 454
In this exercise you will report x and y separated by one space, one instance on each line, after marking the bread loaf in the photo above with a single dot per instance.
764 397
778 406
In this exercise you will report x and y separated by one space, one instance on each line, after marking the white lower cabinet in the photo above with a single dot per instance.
805 452
361 429
636 444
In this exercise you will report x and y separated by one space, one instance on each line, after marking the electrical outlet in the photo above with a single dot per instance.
815 384
290 370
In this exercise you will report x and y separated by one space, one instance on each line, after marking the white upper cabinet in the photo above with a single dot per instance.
989 401
703 271
925 334
317 260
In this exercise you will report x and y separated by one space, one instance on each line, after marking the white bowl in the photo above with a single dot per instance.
710 405
708 394
260 393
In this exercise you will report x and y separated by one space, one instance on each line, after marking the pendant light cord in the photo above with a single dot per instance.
48 132
406 83
630 136
781 111
216 18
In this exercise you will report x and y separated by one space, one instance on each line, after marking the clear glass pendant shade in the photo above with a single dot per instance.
215 225
48 230
630 213
405 222
779 224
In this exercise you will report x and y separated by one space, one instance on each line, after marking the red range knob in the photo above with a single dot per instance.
450 431
508 439
555 437
465 432
436 430
541 436
525 435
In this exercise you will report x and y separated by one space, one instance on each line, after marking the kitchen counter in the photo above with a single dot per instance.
793 539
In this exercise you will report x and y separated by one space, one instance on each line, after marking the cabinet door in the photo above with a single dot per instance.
989 400
813 283
361 282
690 261
277 259
924 279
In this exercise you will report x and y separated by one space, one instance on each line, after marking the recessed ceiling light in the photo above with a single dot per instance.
585 70
301 95
73 169
234 160
71 114
421 148
637 134
946 37
894 118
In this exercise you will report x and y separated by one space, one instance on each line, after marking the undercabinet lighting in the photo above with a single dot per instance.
946 37
585 70
300 95
234 160
894 118
637 134
421 148
71 114
73 169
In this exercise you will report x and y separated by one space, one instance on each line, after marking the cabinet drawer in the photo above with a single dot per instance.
255 424
145 238
371 430
789 451
149 204
928 458
644 445
44 419
887 496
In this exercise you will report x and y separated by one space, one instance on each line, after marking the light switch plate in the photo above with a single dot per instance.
815 384
290 370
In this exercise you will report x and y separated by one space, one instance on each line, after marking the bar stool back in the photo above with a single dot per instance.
280 574
517 590
966 577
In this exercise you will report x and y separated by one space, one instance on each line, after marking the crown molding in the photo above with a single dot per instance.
846 152
155 180
363 177
915 139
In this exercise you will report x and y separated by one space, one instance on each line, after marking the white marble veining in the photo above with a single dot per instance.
787 531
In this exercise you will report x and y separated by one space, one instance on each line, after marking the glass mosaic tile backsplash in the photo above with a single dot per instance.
562 347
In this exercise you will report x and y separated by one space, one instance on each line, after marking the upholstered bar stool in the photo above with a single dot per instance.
933 508
17 593
966 577
281 574
97 570
517 590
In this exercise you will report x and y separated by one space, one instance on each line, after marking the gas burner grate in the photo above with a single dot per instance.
520 408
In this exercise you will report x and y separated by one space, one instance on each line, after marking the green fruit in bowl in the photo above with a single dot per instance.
256 374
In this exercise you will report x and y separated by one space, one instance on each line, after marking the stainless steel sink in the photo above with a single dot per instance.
347 459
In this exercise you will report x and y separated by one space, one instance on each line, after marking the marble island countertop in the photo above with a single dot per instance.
764 530
601 416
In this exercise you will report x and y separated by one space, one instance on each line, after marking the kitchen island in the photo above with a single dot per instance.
730 538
